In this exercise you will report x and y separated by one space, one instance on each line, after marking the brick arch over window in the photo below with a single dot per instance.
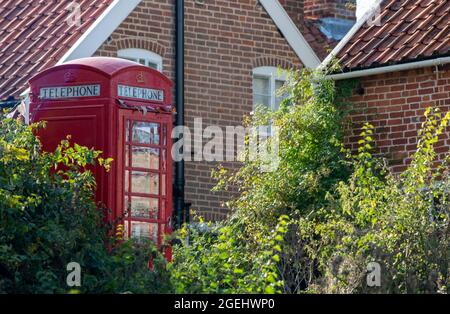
140 43
273 62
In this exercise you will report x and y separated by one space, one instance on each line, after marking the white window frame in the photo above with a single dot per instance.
137 53
273 74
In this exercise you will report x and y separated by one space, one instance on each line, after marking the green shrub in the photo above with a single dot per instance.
402 223
48 219
221 259
311 164
345 211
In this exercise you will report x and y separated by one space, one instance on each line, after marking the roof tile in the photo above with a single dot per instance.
409 30
34 35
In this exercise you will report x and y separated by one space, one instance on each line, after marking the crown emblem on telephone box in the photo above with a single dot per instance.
140 77
69 77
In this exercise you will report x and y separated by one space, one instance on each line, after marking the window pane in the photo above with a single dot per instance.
146 133
142 56
261 85
261 100
130 59
145 230
145 157
145 182
279 98
142 207
126 206
127 127
127 183
261 91
152 65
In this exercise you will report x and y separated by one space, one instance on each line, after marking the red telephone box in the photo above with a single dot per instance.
125 110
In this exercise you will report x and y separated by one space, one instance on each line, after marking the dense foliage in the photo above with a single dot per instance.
311 164
345 210
48 219
221 259
401 223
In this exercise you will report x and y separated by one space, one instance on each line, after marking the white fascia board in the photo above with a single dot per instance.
291 32
350 34
391 68
100 30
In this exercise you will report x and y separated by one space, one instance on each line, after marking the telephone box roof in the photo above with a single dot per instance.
105 65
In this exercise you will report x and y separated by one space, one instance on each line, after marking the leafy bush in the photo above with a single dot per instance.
345 211
311 163
128 270
401 223
48 219
221 259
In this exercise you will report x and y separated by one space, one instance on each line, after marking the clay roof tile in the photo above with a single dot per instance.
34 35
409 30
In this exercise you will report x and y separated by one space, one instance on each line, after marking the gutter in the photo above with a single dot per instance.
178 188
391 68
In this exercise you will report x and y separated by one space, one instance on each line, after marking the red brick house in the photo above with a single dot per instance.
403 66
223 57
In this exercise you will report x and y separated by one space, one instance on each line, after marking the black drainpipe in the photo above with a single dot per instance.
178 190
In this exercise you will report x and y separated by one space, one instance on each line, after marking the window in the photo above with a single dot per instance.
266 82
142 56
145 178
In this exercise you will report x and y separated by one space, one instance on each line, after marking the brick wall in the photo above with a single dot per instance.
310 28
329 8
150 26
225 40
295 9
394 104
